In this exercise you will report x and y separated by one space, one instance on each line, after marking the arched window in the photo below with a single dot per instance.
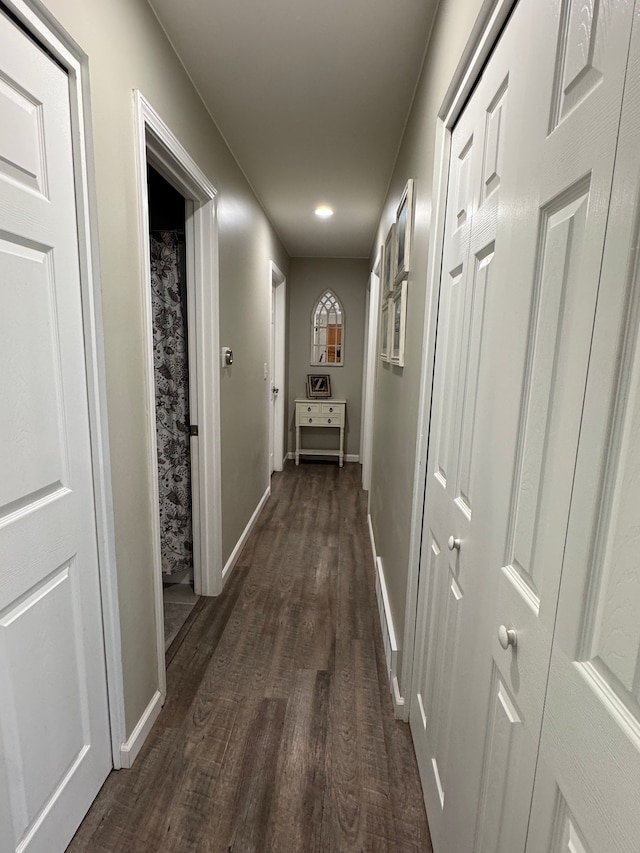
327 330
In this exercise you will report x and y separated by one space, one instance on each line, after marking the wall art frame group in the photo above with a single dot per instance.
396 266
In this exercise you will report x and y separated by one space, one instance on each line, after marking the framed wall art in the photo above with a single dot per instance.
327 331
318 385
388 262
385 353
404 233
398 323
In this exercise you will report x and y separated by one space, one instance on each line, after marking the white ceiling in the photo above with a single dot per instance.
312 98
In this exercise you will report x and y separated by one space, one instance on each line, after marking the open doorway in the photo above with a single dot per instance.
277 369
171 355
159 148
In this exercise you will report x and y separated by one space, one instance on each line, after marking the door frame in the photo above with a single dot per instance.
485 33
157 145
369 374
277 350
49 33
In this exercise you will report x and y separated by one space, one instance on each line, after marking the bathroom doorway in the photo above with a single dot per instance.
171 348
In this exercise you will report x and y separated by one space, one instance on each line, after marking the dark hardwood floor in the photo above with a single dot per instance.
278 731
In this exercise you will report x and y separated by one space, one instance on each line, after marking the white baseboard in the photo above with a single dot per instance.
242 541
130 748
348 457
388 632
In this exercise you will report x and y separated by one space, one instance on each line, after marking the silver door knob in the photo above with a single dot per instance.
507 637
454 544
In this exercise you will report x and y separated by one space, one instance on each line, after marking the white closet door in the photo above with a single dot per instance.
54 730
554 222
443 605
545 115
587 789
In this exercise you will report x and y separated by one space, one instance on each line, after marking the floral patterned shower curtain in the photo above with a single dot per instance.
170 356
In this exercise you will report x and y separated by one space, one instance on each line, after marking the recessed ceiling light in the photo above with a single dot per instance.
323 211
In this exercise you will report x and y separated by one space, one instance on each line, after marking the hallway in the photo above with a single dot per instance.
278 730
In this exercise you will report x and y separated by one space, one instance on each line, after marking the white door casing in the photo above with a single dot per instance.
534 268
271 388
54 724
156 142
365 354
277 350
369 373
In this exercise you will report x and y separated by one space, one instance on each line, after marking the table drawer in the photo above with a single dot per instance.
320 420
308 409
333 409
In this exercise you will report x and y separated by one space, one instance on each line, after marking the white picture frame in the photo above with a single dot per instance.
397 324
389 262
404 234
385 330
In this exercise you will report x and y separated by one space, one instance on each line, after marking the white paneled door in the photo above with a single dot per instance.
587 787
54 728
529 190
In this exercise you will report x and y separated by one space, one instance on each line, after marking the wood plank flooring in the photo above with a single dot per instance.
278 731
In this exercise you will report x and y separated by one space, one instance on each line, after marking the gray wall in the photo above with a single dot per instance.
308 279
397 390
127 50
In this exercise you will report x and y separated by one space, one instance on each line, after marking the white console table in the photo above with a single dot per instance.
320 413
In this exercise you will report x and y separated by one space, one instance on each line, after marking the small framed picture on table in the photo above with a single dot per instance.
318 385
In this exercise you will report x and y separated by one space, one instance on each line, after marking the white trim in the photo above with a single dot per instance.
369 378
194 385
485 33
132 746
39 21
277 346
388 631
367 307
372 540
157 143
242 541
398 701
